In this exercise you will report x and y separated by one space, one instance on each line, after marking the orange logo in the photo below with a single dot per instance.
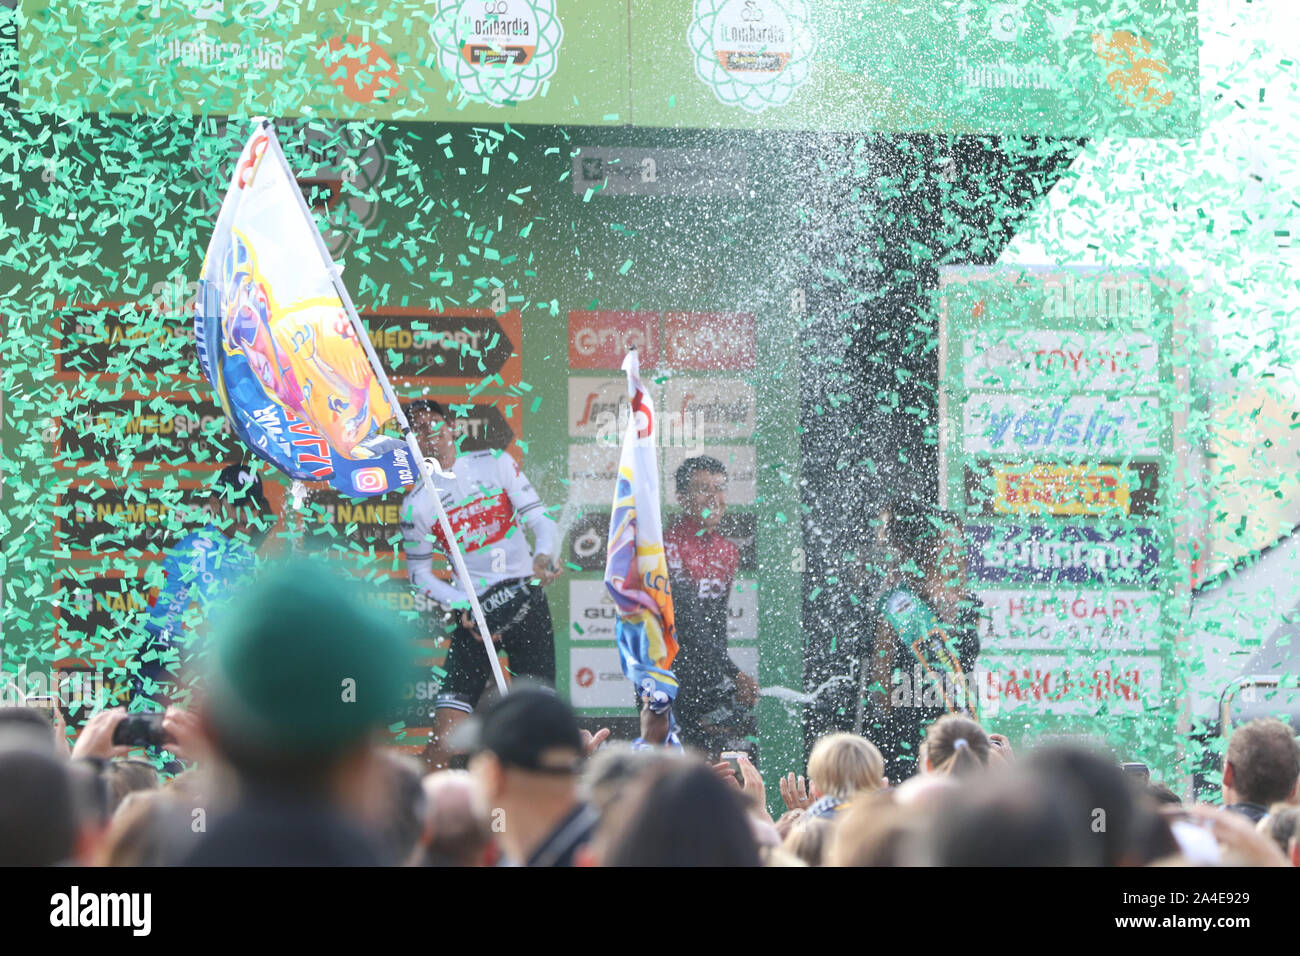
1134 79
366 73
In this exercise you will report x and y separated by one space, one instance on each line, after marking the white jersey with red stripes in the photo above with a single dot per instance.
484 501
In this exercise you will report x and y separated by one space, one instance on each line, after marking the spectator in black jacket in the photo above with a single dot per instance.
1262 767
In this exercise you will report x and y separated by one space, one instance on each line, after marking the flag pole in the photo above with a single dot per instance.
457 559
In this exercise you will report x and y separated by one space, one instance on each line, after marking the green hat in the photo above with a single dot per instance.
300 663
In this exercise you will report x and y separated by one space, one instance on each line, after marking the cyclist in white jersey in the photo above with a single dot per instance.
484 501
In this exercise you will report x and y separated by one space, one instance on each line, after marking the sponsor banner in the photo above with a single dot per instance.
456 60
593 618
752 55
586 544
931 66
708 341
635 171
593 472
415 706
739 460
90 615
1008 68
1070 685
331 518
421 615
486 424
746 658
420 620
169 431
596 679
601 339
591 612
1060 359
502 52
113 340
1072 554
598 405
417 347
742 616
94 519
1076 424
719 408
1070 619
1045 488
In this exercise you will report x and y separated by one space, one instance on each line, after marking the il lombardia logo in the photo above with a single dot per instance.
752 53
498 51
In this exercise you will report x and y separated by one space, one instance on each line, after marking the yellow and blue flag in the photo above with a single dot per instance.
277 344
636 567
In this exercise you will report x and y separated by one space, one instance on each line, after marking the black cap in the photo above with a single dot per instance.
530 728
238 485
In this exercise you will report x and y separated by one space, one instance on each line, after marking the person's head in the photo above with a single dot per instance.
92 796
150 828
125 777
840 765
1162 794
27 724
302 678
680 814
458 830
1281 825
1103 805
702 490
1152 839
878 832
238 505
38 811
434 430
810 839
929 540
1011 819
525 747
614 768
1293 842
956 746
1262 764
401 818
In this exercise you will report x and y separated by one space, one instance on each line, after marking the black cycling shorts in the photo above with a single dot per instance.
521 615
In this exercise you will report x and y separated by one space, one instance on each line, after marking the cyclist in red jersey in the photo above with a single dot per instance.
715 700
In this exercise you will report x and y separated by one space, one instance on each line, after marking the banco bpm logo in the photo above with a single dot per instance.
499 52
752 53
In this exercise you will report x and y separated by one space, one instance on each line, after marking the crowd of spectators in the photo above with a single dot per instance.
282 763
